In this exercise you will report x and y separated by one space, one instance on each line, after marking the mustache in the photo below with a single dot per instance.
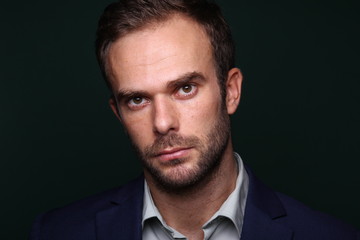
170 140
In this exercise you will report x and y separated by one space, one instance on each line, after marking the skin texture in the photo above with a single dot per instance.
168 99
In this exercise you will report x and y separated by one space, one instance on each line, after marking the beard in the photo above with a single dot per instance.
181 179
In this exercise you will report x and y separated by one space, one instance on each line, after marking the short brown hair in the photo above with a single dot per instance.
125 16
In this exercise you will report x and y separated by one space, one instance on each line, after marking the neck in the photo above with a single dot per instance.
188 212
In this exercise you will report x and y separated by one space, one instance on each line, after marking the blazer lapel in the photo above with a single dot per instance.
262 209
122 220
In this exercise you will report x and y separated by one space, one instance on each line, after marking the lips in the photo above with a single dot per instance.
173 153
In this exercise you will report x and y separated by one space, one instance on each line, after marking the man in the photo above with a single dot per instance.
170 67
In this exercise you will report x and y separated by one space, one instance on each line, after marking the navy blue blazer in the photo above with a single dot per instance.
117 215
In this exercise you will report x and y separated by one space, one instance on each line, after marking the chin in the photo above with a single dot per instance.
177 179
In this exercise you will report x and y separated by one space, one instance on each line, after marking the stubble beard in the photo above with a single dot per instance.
180 179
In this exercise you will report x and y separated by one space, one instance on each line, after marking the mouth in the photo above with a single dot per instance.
173 153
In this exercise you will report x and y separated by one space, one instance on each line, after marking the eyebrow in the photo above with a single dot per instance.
180 81
127 94
186 78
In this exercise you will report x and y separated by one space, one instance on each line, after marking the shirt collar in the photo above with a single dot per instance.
151 211
231 208
149 208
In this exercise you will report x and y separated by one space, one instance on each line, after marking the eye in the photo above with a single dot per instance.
137 102
187 90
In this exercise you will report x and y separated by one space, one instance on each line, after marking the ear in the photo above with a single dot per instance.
233 90
114 107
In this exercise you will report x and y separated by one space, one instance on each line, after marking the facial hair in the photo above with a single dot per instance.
211 149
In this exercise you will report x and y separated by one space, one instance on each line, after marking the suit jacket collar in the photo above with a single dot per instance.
262 209
122 219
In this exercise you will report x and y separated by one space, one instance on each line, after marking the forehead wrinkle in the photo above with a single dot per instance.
155 62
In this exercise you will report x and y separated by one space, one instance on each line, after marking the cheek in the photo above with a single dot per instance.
139 133
200 114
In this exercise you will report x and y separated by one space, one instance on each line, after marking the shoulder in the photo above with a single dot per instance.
79 217
308 223
277 214
92 204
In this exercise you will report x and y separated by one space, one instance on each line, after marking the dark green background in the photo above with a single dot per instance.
297 126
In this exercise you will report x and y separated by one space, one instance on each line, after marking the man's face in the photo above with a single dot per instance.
168 99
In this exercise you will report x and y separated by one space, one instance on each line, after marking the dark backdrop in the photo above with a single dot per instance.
297 126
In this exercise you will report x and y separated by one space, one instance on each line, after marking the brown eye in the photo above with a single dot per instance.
187 88
137 100
186 91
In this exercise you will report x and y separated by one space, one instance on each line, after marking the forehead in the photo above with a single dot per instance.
160 52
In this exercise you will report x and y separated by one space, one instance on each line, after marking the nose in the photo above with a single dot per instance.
165 116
